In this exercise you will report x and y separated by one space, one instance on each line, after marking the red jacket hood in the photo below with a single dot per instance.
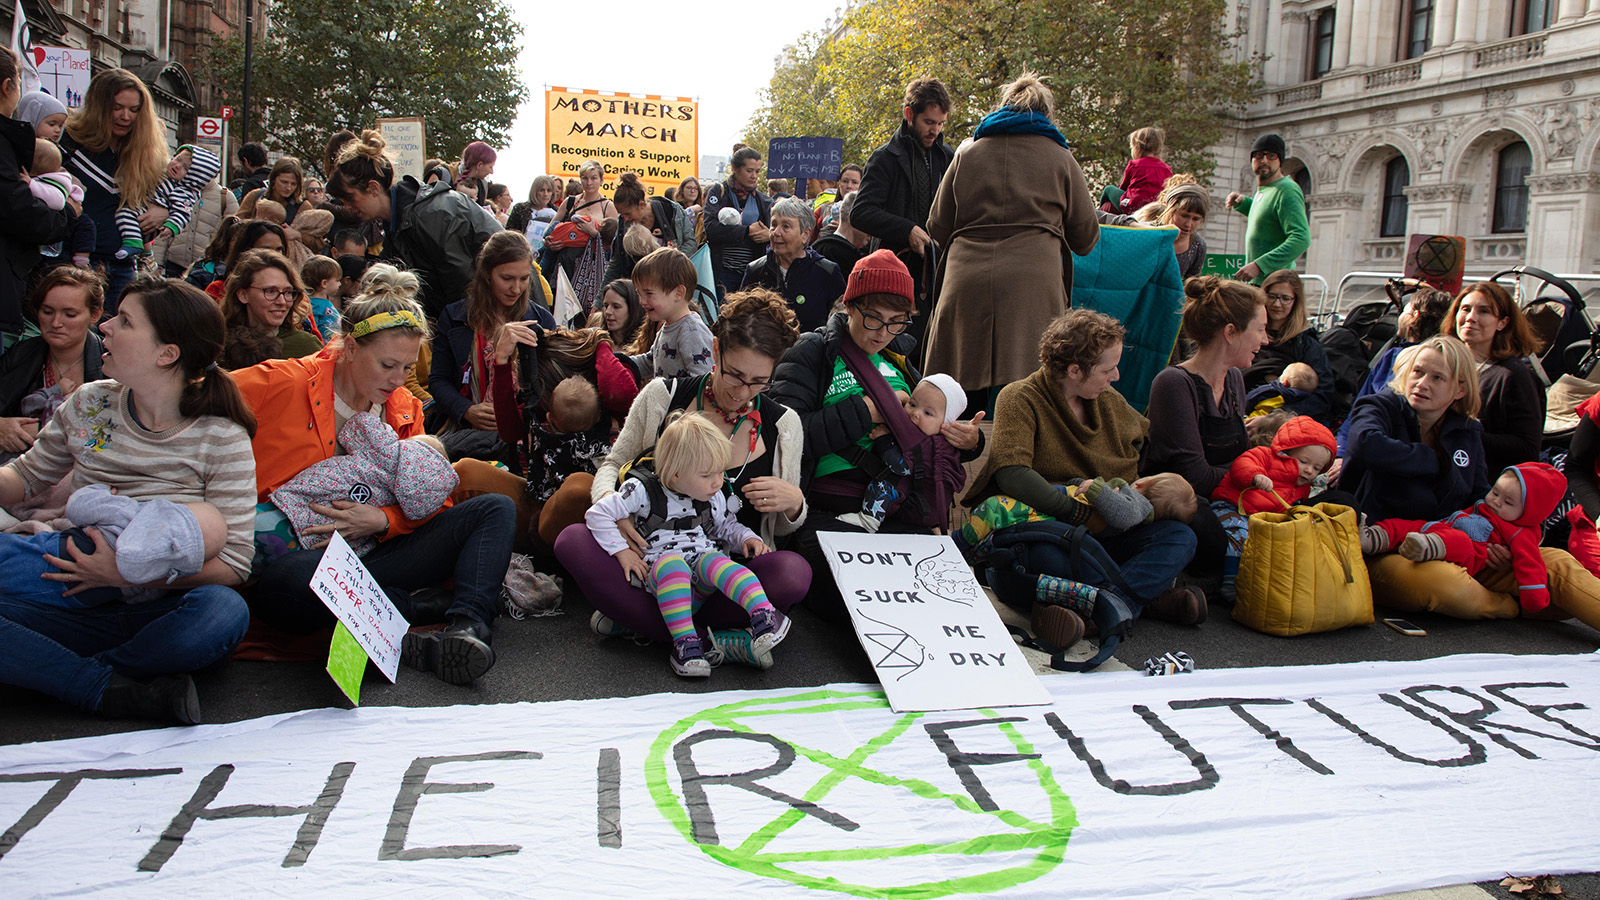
1543 487
1303 431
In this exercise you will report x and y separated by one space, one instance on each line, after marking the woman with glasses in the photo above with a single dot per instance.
1291 339
818 380
259 303
754 330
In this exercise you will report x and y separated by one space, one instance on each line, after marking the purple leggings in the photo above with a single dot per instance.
785 576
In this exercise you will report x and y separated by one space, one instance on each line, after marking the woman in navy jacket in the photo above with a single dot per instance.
1417 452
791 268
502 290
1293 340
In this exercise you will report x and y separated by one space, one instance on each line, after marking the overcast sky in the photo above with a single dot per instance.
717 51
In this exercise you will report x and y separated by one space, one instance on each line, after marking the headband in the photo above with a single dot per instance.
384 320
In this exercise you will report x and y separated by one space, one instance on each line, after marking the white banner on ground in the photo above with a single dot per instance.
932 635
1306 782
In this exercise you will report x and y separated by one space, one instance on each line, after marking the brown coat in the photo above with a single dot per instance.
1009 209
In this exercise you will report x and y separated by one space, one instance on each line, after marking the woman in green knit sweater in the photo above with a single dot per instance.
1061 425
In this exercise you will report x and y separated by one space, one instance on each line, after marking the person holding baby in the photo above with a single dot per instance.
1307 389
1056 433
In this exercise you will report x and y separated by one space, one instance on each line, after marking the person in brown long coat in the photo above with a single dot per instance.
1010 207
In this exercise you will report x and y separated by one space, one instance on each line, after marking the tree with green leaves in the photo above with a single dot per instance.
1114 67
326 65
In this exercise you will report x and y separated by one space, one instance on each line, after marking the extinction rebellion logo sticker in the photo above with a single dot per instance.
898 811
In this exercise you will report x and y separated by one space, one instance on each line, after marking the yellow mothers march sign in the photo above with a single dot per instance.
657 137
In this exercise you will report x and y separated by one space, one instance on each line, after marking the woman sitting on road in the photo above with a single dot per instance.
1417 453
1062 425
303 404
1488 320
462 373
170 427
755 329
262 305
37 374
1292 340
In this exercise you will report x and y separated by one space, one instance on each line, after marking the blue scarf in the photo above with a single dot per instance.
1014 121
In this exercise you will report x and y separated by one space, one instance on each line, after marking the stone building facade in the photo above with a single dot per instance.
1469 117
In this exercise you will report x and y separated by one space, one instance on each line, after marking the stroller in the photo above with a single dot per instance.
1569 347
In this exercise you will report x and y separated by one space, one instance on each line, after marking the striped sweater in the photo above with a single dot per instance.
208 458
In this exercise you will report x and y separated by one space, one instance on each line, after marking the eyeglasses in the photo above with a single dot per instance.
1287 299
314 190
737 380
878 323
272 295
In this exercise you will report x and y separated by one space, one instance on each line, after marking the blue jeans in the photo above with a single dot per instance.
1150 557
118 273
68 647
470 541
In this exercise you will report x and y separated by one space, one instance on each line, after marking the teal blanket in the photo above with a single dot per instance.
1132 275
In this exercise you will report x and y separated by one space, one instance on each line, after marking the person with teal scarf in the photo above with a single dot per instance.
1010 211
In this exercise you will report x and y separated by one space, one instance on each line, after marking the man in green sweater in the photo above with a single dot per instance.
1277 232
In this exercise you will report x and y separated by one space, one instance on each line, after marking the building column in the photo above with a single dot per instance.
1466 22
1361 32
1558 208
1342 13
1335 221
1572 9
1444 22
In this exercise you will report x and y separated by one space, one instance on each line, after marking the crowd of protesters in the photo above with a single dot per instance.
668 397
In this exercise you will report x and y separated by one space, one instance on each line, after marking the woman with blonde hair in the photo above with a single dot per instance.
117 148
1292 339
1013 192
304 225
1184 204
302 404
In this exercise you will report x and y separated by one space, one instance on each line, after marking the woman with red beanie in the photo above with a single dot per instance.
820 378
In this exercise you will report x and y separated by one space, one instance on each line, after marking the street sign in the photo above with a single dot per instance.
227 112
208 130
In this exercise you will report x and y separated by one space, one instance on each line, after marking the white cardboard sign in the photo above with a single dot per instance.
933 638
348 589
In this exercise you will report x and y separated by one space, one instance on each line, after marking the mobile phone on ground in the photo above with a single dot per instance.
1404 627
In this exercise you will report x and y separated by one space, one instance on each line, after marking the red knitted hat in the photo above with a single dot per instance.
880 273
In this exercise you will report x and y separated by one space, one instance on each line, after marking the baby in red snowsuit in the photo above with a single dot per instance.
1301 450
1521 499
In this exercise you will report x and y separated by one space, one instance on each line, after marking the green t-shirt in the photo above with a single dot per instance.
843 386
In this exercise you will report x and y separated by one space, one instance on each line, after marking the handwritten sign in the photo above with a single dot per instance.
348 589
63 73
932 635
406 141
656 137
805 157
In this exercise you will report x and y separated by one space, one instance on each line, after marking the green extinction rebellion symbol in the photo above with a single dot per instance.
832 790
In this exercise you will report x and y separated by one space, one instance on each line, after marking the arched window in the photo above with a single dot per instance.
1396 175
1511 188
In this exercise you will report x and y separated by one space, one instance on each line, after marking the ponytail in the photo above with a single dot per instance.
181 315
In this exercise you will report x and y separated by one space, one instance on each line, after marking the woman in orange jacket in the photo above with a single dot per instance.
302 404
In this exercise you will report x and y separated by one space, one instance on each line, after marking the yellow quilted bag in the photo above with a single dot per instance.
1301 571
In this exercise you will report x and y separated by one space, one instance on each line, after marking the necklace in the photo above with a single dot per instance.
55 373
732 418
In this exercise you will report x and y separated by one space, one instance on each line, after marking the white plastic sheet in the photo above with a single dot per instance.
1309 782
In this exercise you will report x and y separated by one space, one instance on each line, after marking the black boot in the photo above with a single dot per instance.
429 605
459 654
167 698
